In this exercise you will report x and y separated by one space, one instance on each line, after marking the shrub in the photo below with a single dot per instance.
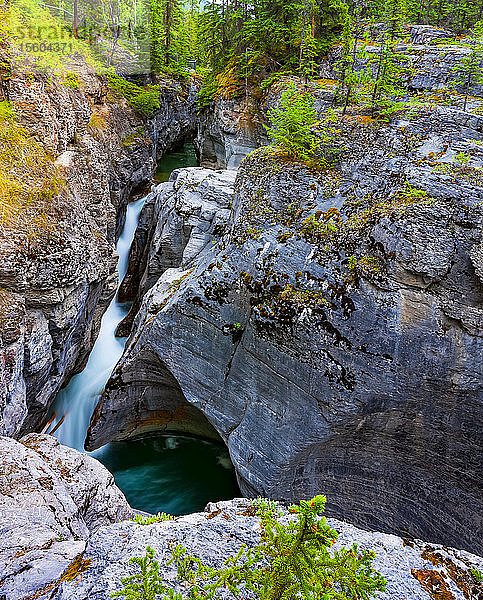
97 123
71 80
207 93
476 574
145 585
291 561
143 100
6 111
291 124
468 74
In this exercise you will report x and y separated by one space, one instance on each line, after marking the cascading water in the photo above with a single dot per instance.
78 400
175 474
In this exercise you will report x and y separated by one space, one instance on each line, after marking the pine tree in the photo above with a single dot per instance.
469 72
291 124
293 560
145 585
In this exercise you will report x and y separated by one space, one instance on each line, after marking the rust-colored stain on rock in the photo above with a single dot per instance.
434 583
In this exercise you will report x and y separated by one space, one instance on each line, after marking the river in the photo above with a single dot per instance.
174 474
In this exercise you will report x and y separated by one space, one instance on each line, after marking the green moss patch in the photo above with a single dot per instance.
29 181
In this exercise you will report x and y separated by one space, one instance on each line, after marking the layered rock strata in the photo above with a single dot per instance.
328 324
56 283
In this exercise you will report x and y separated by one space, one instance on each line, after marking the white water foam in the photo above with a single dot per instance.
79 398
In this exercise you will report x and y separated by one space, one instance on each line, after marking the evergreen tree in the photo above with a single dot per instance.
291 124
145 585
291 561
469 72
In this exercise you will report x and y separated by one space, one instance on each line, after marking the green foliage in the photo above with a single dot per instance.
396 12
42 41
292 123
468 72
476 574
268 36
72 80
29 182
171 44
266 508
147 584
143 100
389 86
157 518
6 111
462 158
292 561
207 91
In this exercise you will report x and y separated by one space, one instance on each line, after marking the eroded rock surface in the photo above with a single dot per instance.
229 130
55 286
329 326
51 499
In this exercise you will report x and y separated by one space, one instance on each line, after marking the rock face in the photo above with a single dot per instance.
55 290
190 213
329 327
425 34
227 131
64 537
51 499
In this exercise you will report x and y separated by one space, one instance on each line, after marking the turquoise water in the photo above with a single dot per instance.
174 474
183 157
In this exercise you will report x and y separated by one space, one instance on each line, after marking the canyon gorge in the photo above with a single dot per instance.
325 326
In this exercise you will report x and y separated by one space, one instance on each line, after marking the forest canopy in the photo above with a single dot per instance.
236 46
242 36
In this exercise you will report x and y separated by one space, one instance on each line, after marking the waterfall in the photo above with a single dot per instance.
79 398
175 474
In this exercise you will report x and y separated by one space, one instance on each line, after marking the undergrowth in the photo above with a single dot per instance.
29 180
144 100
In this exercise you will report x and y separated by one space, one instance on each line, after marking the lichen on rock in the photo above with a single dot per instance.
360 327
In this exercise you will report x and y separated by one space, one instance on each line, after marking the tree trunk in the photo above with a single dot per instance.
439 12
167 30
76 21
374 93
468 83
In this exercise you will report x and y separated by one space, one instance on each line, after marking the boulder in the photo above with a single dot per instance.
51 499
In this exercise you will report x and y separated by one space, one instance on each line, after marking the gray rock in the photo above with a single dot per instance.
219 533
54 294
227 131
373 385
425 34
51 499
64 537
